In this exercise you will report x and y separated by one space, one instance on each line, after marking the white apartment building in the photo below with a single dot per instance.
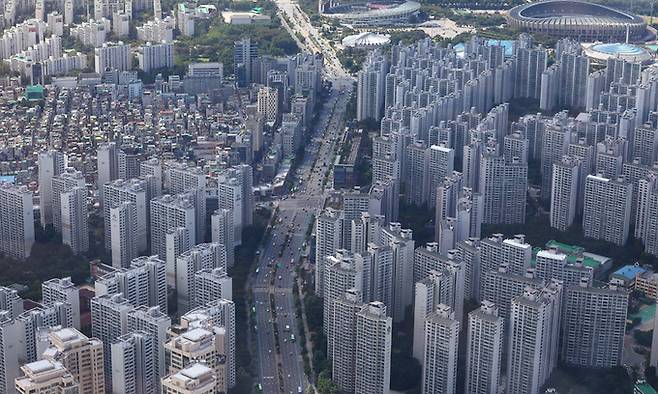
468 251
441 337
177 241
9 352
343 271
19 37
328 239
593 325
92 32
372 372
155 56
62 290
114 194
158 30
551 264
378 274
168 212
10 302
485 349
152 168
607 210
221 224
231 195
516 252
440 163
533 334
445 287
74 219
134 367
16 221
211 284
343 351
364 231
34 323
402 245
206 256
206 345
123 222
156 323
501 286
55 22
564 192
142 284
68 179
112 56
181 178
504 185
371 87
109 320
51 163
646 221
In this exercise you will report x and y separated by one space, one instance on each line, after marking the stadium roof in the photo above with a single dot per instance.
366 39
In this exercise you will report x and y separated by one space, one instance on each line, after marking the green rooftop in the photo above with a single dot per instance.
34 92
644 388
573 253
565 248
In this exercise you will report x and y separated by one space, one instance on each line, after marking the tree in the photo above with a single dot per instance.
405 372
326 385
314 312
643 337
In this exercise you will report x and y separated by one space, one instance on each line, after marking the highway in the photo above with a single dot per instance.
280 367
297 20
280 363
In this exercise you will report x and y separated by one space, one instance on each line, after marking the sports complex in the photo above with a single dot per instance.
578 19
365 13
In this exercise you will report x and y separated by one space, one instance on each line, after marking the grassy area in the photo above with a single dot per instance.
310 7
439 10
49 259
574 380
352 58
215 42
419 221
406 372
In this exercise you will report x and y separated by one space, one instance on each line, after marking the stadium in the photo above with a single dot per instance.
599 53
577 19
364 13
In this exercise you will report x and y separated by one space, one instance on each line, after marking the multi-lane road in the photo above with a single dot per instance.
280 364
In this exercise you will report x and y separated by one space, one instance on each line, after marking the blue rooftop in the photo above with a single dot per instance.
629 271
7 178
507 44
